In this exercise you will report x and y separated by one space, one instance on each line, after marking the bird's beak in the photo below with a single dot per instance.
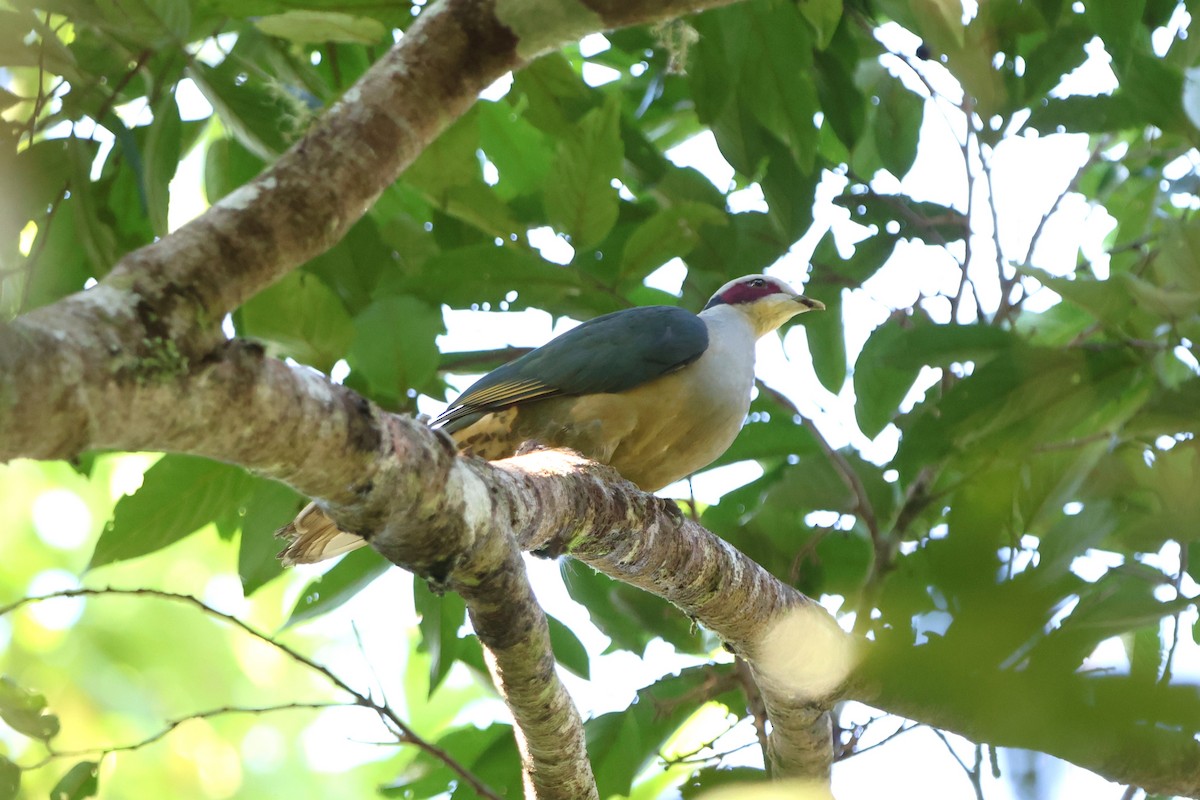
809 303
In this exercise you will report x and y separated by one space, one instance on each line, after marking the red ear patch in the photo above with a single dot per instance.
749 291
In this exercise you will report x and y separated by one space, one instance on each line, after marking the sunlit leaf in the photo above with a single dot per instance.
10 779
25 711
299 317
269 506
82 780
568 650
579 197
303 26
442 614
179 495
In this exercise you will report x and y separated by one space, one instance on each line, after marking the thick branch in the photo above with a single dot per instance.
796 651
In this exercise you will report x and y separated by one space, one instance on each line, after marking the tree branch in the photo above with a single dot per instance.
797 653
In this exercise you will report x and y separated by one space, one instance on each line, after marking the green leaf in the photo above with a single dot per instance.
568 650
430 776
789 190
495 271
669 233
827 338
1058 54
522 153
1023 397
1107 301
579 198
621 744
1178 264
911 219
347 578
1145 649
301 318
1087 114
1117 24
441 617
355 266
627 615
163 150
714 777
228 165
1120 602
37 176
395 347
25 711
842 100
179 495
781 95
824 16
449 160
617 751
897 126
62 267
269 506
499 766
82 780
10 779
92 235
304 26
1170 303
1156 90
769 433
258 115
893 356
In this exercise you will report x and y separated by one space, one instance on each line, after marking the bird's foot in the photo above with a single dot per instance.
671 509
530 446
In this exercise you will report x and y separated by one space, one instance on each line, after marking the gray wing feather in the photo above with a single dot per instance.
608 354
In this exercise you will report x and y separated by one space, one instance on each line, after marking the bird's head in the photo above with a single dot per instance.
767 302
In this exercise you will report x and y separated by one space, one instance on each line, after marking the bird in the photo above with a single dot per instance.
656 392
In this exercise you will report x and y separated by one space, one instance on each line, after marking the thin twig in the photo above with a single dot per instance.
690 756
1178 584
43 237
974 774
403 732
851 752
170 726
964 266
462 361
862 502
1007 282
715 758
1072 185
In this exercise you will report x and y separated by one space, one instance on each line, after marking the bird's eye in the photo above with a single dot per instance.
758 283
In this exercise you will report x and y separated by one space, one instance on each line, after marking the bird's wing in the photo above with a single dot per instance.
608 354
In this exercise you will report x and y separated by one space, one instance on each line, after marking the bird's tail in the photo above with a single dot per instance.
313 537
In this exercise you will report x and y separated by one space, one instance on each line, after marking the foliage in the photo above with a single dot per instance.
1059 423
